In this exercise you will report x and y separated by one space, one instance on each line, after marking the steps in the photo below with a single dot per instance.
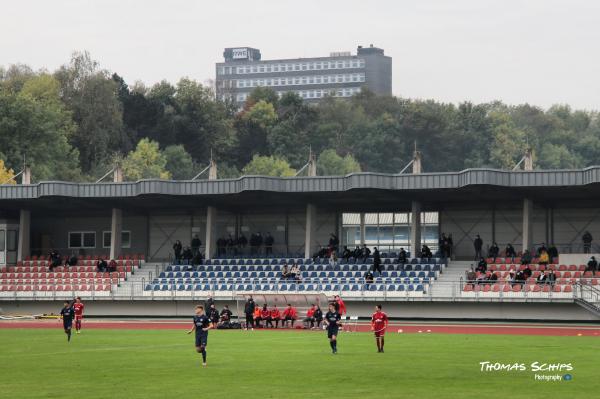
445 285
135 283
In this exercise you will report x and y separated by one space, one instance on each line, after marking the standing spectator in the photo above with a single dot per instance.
553 253
478 244
242 241
365 252
177 248
494 251
289 314
196 244
402 256
249 312
231 243
213 315
318 316
269 241
587 242
526 257
450 244
356 253
334 242
275 315
346 254
592 265
510 252
376 260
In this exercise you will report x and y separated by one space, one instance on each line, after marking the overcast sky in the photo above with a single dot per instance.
541 52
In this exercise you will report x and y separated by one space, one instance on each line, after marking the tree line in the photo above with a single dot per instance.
76 122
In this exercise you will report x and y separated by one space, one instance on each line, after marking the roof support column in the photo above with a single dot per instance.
211 217
24 243
415 212
527 225
311 221
116 224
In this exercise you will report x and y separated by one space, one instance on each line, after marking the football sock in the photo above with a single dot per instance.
381 343
69 335
335 344
203 355
331 344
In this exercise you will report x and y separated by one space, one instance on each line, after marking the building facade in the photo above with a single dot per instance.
340 75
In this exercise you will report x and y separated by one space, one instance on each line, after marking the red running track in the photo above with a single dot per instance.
408 327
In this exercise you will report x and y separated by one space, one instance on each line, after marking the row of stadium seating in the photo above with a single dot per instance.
43 265
347 288
302 261
517 259
552 266
518 288
323 274
308 268
559 274
136 257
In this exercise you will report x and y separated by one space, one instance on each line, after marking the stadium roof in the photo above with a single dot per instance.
399 189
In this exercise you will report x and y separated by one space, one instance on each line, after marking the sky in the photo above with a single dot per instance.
541 52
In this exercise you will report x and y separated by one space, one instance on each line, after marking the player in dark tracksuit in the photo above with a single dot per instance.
67 313
201 324
332 321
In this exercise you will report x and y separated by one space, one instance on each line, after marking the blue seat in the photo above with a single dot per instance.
400 287
292 287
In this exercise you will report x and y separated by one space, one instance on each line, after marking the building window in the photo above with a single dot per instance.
125 239
82 239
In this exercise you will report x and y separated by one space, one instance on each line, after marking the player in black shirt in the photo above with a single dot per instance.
67 313
332 321
201 324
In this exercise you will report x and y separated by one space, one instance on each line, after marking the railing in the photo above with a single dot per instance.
587 295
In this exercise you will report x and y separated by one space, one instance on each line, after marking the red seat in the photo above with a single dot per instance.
556 288
546 288
568 288
516 288
486 288
562 268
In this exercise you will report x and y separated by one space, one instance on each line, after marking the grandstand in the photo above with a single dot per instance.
136 223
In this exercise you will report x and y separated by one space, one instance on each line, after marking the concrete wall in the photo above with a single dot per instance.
407 310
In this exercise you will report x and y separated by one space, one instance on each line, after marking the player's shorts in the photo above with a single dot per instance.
379 333
78 317
202 339
331 331
67 325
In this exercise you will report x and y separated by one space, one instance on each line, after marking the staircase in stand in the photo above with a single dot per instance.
588 297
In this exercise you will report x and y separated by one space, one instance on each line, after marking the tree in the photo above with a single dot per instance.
6 174
268 166
253 126
331 164
179 162
508 144
146 162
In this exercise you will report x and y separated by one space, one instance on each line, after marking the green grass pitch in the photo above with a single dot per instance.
39 363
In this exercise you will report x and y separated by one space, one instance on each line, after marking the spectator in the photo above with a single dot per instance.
592 265
208 303
242 241
493 278
527 272
511 277
285 272
249 307
225 316
346 254
340 305
112 266
177 248
187 255
54 260
71 261
257 314
253 244
213 315
318 316
544 258
368 278
356 253
101 266
295 272
269 241
450 245
426 252
309 321
265 315
493 252
196 244
365 253
321 253
471 277
444 246
231 244
376 260
481 266
334 242
542 248
587 242
520 278
482 278
402 256
221 246
289 314
275 315
553 253
510 252
478 244
526 257
541 279
333 259
551 277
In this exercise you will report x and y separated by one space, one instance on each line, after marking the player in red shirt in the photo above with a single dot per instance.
341 306
379 322
78 306
289 314
275 315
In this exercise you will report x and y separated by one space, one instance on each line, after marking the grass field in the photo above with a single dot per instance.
39 363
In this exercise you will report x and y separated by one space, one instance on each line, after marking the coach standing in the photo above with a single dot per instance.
249 311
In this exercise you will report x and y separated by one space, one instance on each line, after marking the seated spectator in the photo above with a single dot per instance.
426 252
510 252
225 316
275 315
511 277
289 314
592 265
493 252
54 260
520 278
471 277
346 254
318 316
295 272
527 272
493 278
482 278
285 272
526 257
544 258
552 253
541 279
368 278
112 266
481 266
187 255
551 277
333 259
71 261
309 321
402 256
101 266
